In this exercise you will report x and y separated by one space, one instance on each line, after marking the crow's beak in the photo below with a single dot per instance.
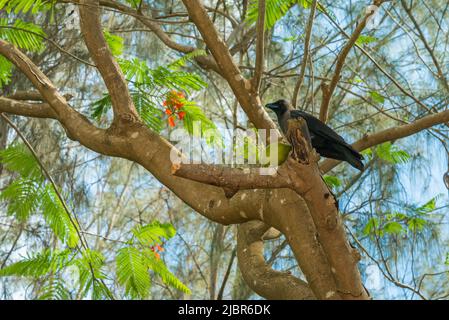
271 106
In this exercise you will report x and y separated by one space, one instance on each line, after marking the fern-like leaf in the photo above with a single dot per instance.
38 264
24 35
58 218
159 267
24 6
153 233
54 289
132 272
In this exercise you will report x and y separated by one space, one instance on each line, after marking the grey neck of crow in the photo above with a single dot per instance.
282 110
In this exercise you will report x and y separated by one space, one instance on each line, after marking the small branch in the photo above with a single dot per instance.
327 95
260 46
226 276
306 53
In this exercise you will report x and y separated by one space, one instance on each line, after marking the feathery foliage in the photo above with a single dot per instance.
412 219
135 260
149 87
5 71
24 6
276 9
392 154
24 35
31 194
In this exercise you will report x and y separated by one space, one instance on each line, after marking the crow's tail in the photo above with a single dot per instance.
354 158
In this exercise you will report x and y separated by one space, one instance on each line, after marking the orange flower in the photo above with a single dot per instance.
168 111
171 121
181 115
181 94
159 248
158 256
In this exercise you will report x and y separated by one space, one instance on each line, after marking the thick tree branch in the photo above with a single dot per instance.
260 277
35 110
26 96
100 53
242 88
77 126
230 178
300 174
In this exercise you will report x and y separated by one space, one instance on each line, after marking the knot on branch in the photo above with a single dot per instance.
356 255
127 119
123 122
324 88
299 137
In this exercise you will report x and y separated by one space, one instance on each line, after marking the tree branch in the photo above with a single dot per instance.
392 134
100 53
242 88
76 125
260 277
327 94
35 110
260 46
306 53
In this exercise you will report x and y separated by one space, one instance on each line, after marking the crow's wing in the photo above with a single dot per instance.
318 128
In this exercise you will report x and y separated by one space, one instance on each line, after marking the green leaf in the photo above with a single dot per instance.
158 267
5 71
154 233
416 224
274 11
18 158
427 207
332 181
24 35
372 227
393 227
368 153
58 218
194 114
365 39
283 150
115 43
90 266
392 154
181 62
134 3
377 97
38 264
22 197
132 272
54 289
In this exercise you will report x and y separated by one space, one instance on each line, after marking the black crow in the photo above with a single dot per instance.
325 140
